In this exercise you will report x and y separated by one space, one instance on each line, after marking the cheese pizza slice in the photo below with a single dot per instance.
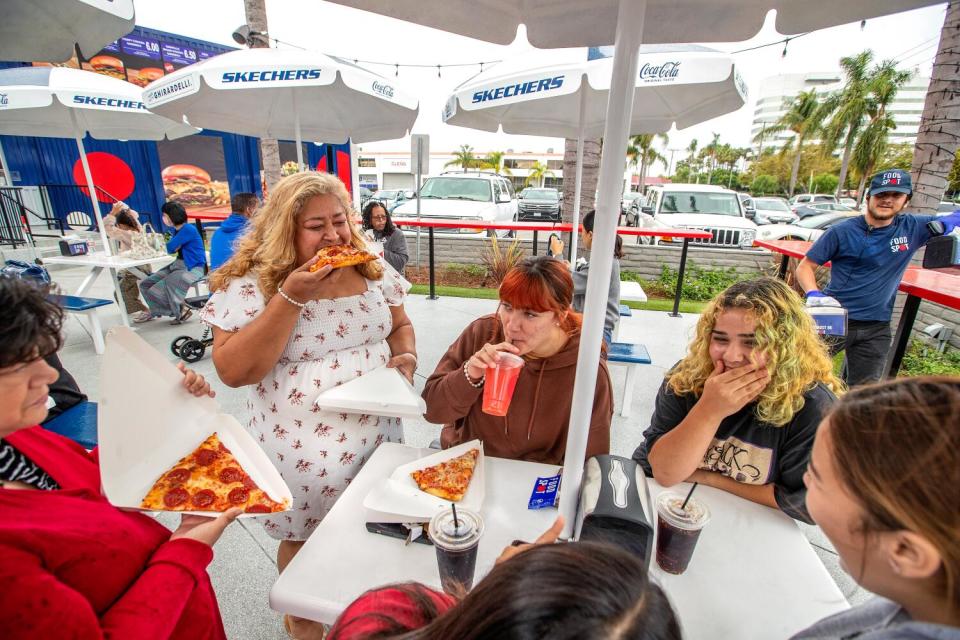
341 255
209 479
448 480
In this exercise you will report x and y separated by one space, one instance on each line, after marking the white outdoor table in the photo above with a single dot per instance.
753 574
97 261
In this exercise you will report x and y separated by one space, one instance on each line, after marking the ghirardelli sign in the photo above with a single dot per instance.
384 90
665 71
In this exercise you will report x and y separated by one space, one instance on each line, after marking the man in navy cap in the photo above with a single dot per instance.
868 255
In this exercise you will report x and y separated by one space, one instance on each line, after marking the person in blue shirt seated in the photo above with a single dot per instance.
869 254
243 206
166 289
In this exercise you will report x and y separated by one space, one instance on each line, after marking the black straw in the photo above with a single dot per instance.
456 523
682 507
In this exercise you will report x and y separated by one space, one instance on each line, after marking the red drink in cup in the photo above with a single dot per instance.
501 378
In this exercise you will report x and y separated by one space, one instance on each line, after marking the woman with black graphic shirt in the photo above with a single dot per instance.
741 410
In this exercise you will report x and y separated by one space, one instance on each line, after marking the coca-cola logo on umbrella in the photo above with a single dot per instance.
384 90
666 71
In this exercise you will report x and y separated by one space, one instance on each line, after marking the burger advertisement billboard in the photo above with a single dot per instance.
141 57
194 173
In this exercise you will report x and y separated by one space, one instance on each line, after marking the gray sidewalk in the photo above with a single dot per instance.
244 568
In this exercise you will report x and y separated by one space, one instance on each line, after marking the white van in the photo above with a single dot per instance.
698 206
484 196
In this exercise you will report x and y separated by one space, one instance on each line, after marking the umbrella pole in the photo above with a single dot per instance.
92 188
575 233
296 119
630 20
355 175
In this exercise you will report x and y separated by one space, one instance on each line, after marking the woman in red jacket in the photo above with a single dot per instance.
71 564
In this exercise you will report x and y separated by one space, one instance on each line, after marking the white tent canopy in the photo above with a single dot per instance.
539 93
554 24
46 30
559 92
285 94
54 102
627 24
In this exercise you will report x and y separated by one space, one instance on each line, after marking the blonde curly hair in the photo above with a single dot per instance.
269 248
795 356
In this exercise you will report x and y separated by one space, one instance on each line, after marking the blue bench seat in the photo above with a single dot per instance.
628 352
78 303
85 307
79 423
631 356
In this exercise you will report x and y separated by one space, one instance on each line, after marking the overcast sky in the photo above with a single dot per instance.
910 37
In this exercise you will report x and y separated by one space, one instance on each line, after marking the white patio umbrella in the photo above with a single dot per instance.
286 94
46 30
54 102
558 92
627 24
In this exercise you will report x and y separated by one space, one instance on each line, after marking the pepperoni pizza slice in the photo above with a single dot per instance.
448 480
341 255
209 479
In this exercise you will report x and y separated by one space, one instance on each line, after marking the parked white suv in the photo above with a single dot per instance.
464 196
698 206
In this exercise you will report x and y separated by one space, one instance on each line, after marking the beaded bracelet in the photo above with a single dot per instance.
289 299
475 385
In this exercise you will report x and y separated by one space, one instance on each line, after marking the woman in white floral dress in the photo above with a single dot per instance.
288 334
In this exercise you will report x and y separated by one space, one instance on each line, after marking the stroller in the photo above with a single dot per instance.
188 348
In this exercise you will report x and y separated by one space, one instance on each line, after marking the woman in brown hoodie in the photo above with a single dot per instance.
536 322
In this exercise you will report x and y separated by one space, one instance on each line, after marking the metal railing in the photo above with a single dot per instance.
70 205
12 222
62 207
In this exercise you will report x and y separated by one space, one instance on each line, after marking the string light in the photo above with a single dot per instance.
396 65
785 43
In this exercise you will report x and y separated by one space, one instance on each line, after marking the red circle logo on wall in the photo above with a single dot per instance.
109 172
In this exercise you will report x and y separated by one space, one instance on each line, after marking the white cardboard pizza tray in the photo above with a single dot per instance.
147 421
381 391
399 499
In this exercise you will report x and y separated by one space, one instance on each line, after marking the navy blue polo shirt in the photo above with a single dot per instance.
867 264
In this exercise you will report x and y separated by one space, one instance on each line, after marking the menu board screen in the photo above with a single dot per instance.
141 58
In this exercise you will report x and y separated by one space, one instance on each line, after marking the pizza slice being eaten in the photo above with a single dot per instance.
448 480
209 479
341 255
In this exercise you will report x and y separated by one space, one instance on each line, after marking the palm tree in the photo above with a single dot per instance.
711 151
464 158
538 172
872 142
640 151
849 109
494 160
803 118
939 134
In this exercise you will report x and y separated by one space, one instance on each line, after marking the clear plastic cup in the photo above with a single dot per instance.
501 379
678 530
456 546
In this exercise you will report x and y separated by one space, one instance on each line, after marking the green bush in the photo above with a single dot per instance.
478 270
701 283
764 184
825 183
923 360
